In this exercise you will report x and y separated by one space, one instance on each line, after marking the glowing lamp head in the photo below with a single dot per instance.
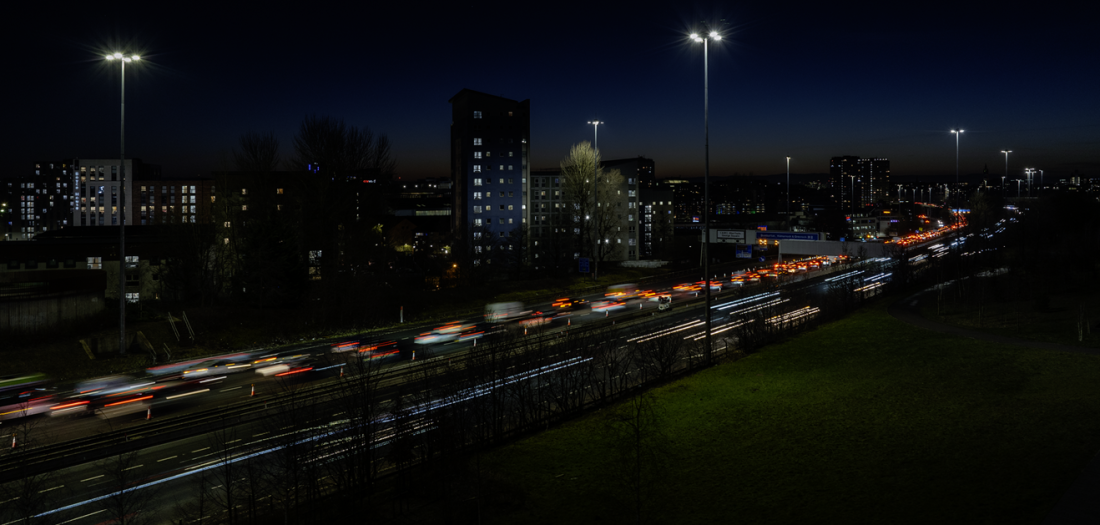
695 37
110 57
136 58
117 55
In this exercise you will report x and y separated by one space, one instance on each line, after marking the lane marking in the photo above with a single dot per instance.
228 389
166 459
260 434
200 450
82 517
231 442
89 479
47 490
132 468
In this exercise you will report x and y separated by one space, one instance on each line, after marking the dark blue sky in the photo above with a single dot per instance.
807 82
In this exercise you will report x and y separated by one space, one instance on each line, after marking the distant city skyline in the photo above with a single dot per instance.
811 83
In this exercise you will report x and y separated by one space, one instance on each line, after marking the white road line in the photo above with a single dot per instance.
231 442
89 479
200 450
47 490
82 517
132 468
166 459
228 389
260 434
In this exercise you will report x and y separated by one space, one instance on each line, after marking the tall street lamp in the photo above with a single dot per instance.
957 133
788 194
1040 182
705 40
1029 172
1006 152
1017 188
595 197
122 201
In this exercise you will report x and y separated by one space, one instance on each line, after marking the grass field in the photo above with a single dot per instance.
865 420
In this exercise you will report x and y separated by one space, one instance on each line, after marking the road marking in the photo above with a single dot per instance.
200 450
89 479
47 490
228 389
231 442
82 517
166 459
132 468
258 435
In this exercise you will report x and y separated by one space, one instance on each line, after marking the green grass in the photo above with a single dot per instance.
866 420
1055 323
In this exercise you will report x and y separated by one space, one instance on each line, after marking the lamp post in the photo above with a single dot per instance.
1006 152
1029 172
1040 182
595 197
122 201
705 40
1003 184
853 195
1017 188
788 194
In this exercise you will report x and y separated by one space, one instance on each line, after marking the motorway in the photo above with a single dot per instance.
179 441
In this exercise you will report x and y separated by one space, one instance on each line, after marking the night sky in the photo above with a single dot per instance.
809 83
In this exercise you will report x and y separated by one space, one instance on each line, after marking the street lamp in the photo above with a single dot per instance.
705 40
1029 172
853 195
1006 152
957 133
1040 182
1017 188
595 197
788 193
122 201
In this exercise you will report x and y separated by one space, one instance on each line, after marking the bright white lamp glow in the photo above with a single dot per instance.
135 57
118 55
110 57
695 36
714 34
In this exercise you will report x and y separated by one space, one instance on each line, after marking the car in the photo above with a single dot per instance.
607 306
444 334
569 304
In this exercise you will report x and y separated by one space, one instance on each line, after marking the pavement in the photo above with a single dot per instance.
1080 504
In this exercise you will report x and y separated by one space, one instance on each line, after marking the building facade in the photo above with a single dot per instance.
489 171
856 182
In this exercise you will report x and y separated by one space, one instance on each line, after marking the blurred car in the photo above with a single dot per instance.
537 319
569 304
378 350
607 306
444 334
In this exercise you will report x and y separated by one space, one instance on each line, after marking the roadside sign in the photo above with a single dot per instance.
744 251
582 265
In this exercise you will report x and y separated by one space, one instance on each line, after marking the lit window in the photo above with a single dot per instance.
509 167
509 209
244 191
477 168
502 167
509 114
477 114
477 195
477 141
477 222
244 207
477 209
509 154
477 154
477 182
278 191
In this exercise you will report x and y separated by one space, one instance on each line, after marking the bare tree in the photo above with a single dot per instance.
126 504
257 153
592 218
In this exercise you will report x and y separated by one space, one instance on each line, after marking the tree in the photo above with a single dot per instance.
597 219
257 153
125 504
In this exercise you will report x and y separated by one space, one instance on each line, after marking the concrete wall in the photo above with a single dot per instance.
47 312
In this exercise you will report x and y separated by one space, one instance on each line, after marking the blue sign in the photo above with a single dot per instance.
582 264
744 251
788 236
761 258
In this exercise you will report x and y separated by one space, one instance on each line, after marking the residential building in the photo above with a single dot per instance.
489 170
96 190
857 182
